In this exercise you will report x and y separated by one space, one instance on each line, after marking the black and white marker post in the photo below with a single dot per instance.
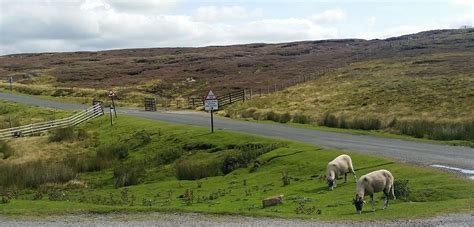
112 97
210 104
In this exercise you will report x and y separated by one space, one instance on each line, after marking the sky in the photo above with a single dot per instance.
28 26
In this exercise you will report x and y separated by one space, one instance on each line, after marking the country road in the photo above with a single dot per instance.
407 151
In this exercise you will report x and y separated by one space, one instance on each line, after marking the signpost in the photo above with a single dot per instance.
10 80
112 96
210 104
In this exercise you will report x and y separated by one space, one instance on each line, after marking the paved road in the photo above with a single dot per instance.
408 151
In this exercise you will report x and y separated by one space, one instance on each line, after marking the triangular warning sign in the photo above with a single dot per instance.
210 95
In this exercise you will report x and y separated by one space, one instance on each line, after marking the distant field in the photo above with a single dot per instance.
141 165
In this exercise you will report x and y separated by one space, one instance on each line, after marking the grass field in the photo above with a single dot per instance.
135 166
22 115
427 96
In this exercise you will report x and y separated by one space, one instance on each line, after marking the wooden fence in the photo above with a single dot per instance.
85 115
224 100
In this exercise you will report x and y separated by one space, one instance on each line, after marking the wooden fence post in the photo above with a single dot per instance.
243 95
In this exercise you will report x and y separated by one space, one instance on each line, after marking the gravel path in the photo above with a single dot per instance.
193 219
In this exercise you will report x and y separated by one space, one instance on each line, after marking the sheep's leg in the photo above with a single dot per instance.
354 174
345 178
385 203
335 183
372 202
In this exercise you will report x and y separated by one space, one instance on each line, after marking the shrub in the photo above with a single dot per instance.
248 113
34 174
285 178
139 139
301 118
191 170
188 197
437 130
230 164
128 174
62 134
6 150
82 134
401 189
329 120
113 151
366 123
272 116
283 118
168 156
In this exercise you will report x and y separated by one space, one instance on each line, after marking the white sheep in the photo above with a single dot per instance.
377 181
340 165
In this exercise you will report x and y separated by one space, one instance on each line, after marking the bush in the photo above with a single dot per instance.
113 151
168 156
401 189
34 174
329 120
272 116
230 164
301 119
190 170
283 118
139 138
6 150
128 174
62 134
248 113
365 123
437 130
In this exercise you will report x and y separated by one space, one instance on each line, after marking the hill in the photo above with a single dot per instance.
183 72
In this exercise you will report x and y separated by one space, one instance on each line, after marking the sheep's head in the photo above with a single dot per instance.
330 183
358 203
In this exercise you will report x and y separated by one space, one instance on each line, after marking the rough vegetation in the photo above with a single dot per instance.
183 72
235 171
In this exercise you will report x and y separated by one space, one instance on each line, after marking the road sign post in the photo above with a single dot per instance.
11 83
210 104
112 95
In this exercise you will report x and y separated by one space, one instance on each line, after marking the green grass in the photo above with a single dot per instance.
22 114
241 191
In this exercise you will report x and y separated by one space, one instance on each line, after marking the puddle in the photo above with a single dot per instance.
468 172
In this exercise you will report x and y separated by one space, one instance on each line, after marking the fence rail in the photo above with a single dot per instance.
85 115
224 100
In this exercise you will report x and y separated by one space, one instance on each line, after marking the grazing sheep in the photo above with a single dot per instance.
377 181
340 165
272 201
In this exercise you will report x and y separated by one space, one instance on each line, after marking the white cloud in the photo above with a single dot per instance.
329 16
143 6
102 24
463 2
225 13
371 21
